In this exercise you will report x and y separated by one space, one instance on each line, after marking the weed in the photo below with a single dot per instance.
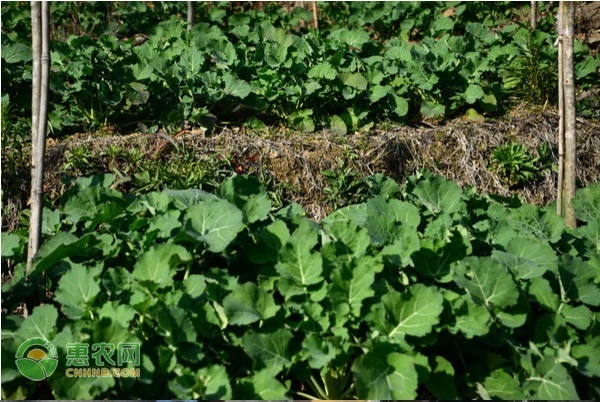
514 164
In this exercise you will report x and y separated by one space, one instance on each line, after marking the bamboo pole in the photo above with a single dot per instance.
190 15
567 123
534 14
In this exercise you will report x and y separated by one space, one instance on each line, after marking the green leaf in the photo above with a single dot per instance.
543 293
298 264
472 320
139 93
443 24
441 380
382 374
501 385
319 352
432 109
587 203
165 223
195 285
352 283
354 80
579 316
434 257
247 193
16 52
40 324
323 70
588 358
118 313
527 258
337 125
488 282
77 290
473 93
215 222
355 38
236 87
266 386
413 313
10 243
384 217
269 350
578 280
552 381
59 247
438 195
156 266
248 303
175 325
379 92
214 383
400 106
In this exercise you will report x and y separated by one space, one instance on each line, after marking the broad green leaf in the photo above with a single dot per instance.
400 106
214 383
269 241
40 324
502 385
269 350
588 358
10 244
543 293
96 204
175 325
215 222
552 381
473 93
578 280
139 93
16 52
591 231
236 87
379 92
354 80
587 203
443 24
248 303
319 351
472 320
297 262
355 38
322 70
349 241
413 313
579 316
405 244
441 380
438 195
77 290
247 193
488 282
382 374
188 197
434 257
156 266
527 258
59 247
265 386
119 313
352 283
356 213
337 125
165 223
195 285
383 217
530 220
432 109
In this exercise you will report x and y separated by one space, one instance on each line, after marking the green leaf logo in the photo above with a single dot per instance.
36 359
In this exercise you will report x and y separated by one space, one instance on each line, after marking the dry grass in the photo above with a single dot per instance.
459 151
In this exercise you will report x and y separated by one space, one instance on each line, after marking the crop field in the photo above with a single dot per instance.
299 200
